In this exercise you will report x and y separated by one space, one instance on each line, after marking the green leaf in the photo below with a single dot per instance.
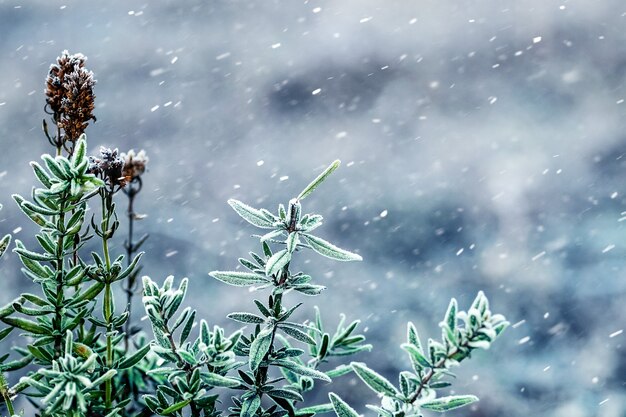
33 255
317 181
277 262
105 377
29 326
5 332
292 241
286 394
134 358
271 235
375 381
79 151
448 403
250 214
297 334
239 279
451 315
416 355
175 407
184 334
342 409
216 380
4 244
316 409
54 167
309 289
341 370
41 175
259 348
250 406
329 250
301 369
413 336
246 318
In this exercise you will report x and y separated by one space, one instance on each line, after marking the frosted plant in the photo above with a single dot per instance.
84 356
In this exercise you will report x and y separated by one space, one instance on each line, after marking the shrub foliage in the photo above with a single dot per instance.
81 355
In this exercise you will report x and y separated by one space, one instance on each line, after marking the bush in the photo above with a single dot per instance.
88 361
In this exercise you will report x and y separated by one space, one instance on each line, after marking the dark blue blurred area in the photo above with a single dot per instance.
482 142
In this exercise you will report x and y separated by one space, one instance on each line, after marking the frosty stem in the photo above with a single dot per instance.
108 295
129 253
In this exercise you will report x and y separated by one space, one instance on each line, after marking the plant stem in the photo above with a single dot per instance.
129 253
108 295
60 294
261 376
4 389
430 374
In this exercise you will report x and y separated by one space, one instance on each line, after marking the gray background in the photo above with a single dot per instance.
490 133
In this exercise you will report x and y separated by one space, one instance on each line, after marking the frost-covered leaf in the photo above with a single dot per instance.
259 348
317 181
448 403
239 279
216 380
301 369
246 318
342 409
4 244
250 406
277 262
329 250
375 381
250 214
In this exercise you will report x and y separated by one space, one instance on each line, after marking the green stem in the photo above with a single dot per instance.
261 376
4 389
60 294
431 373
108 294
131 278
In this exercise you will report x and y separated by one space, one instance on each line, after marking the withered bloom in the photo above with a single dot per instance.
134 164
69 95
109 166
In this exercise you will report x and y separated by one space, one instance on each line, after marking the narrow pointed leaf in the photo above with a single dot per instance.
175 407
298 335
134 358
239 279
250 406
4 244
416 354
301 369
277 262
448 403
246 318
342 409
29 326
259 348
250 214
329 250
217 380
375 381
317 181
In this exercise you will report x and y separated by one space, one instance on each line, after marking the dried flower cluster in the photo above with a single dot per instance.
69 95
134 164
109 166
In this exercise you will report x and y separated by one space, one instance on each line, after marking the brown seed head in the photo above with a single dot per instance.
69 94
134 164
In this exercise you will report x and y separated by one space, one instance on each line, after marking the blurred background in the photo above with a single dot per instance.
482 142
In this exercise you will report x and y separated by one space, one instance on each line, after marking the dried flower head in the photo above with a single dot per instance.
109 166
69 94
134 164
